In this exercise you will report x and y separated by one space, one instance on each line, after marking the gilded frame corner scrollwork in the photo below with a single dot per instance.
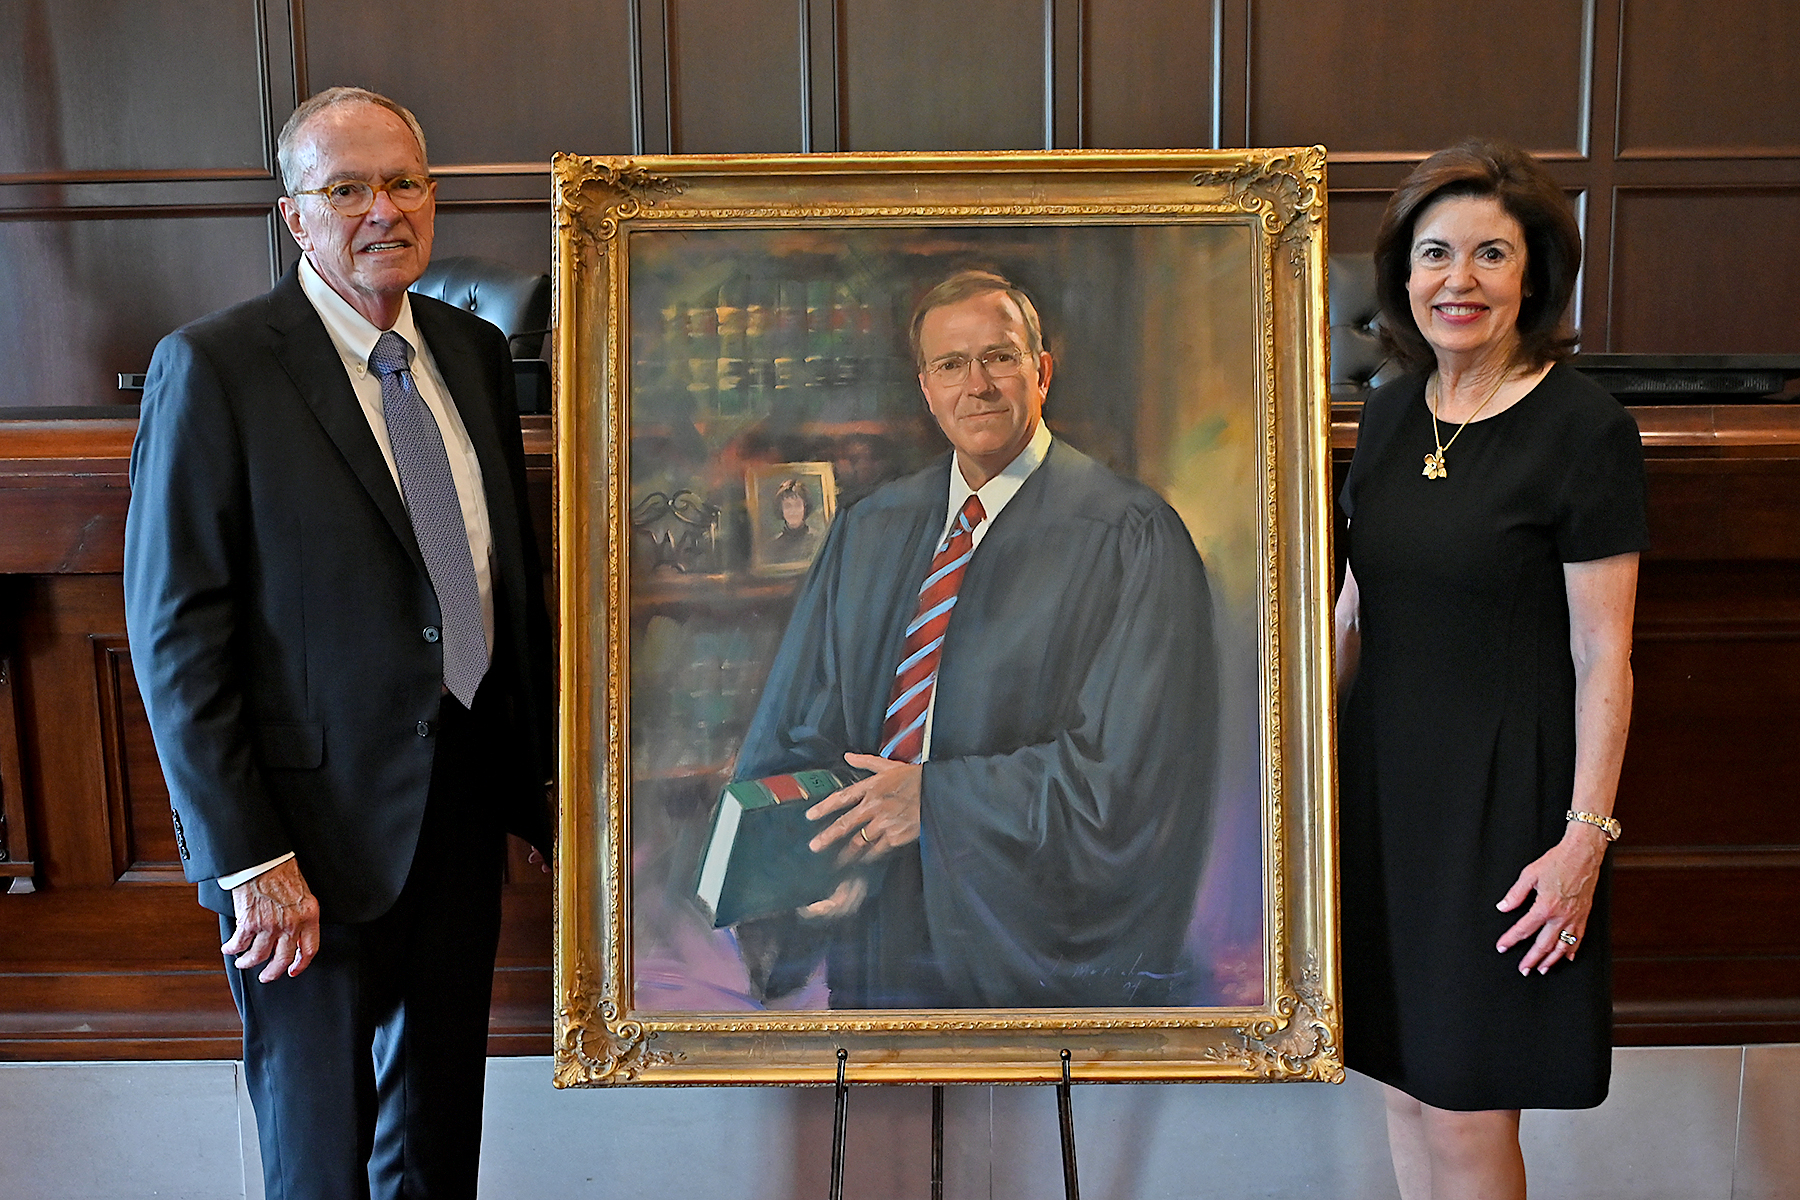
612 569
1285 188
596 194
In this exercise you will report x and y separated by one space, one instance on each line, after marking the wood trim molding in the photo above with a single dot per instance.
1768 427
101 445
148 175
1706 858
1706 153
1704 1022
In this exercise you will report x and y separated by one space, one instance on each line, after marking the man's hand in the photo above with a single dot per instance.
277 921
880 814
845 899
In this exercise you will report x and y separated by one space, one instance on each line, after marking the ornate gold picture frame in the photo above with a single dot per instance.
719 317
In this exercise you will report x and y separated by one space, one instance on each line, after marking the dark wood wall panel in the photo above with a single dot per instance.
1706 271
16 861
1679 59
735 72
514 233
143 836
133 197
1353 220
1659 904
61 725
86 299
1708 879
941 75
491 83
1696 724
1149 74
112 956
1416 75
97 87
1724 510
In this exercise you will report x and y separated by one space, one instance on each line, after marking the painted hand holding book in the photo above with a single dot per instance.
757 861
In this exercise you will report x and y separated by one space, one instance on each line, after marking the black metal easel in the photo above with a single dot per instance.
840 1123
1065 1120
937 1141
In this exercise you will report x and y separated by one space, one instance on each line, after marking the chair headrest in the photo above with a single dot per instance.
1358 361
515 300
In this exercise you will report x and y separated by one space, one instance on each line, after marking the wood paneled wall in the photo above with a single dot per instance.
137 136
136 192
109 954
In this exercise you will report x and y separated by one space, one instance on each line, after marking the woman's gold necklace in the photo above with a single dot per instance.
1434 463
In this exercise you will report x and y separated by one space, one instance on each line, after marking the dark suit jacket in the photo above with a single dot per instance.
277 602
1067 803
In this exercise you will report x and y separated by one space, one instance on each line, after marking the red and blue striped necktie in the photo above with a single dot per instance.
903 729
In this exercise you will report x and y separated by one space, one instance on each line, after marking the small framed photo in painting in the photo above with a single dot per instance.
944 554
790 507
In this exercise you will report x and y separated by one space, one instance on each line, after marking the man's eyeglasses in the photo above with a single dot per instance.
1002 363
354 197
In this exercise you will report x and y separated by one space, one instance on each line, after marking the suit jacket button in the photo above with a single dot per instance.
423 728
431 633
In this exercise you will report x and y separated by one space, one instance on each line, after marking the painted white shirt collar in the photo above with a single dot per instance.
997 492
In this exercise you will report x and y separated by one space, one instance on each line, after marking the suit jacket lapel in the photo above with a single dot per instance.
307 354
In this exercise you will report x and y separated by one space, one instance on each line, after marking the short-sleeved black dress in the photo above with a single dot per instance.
1458 740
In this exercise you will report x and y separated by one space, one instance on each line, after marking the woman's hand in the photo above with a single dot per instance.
1564 879
1601 595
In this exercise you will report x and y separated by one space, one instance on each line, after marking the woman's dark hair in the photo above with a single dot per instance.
1532 198
793 487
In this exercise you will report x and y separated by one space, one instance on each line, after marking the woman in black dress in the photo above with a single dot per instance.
1496 508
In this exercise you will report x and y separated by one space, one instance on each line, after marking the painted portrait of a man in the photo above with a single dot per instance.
1017 644
996 550
990 737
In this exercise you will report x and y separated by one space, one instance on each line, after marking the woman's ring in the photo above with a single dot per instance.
1567 938
863 833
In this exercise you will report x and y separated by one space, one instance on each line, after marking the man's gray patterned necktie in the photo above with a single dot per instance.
437 520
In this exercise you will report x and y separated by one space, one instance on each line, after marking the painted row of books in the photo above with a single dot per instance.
759 347
697 683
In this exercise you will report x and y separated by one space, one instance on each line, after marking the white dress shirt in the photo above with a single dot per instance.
995 495
354 338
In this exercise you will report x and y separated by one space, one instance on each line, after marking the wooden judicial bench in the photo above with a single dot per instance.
105 954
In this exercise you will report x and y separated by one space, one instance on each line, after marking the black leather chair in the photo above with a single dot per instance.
515 300
1358 362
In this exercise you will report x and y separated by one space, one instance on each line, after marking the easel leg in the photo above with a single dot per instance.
840 1124
1065 1117
937 1141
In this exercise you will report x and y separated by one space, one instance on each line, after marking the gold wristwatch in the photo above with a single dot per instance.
1606 825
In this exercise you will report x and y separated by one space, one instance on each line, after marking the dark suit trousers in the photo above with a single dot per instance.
366 1070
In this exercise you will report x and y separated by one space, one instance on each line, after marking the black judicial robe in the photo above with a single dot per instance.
1067 802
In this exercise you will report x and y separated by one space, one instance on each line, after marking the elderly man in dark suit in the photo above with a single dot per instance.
335 608
1018 644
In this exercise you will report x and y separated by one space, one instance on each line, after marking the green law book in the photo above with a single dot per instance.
757 862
